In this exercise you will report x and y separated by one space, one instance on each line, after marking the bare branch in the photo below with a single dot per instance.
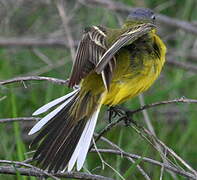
184 25
65 21
152 130
17 164
36 173
149 160
180 100
114 146
35 42
38 78
2 98
144 132
183 65
118 6
150 138
119 176
174 54
30 42
131 112
146 116
162 168
5 120
42 56
171 152
46 68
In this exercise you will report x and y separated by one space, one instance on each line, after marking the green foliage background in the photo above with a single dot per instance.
174 124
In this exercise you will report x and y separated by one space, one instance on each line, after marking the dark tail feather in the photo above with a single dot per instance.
65 131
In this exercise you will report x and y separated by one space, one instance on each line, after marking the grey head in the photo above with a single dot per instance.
141 15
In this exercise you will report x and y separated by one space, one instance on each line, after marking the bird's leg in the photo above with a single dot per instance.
127 118
123 113
114 111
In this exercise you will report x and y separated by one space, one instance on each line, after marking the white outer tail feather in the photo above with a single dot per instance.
81 150
82 147
49 116
51 104
104 79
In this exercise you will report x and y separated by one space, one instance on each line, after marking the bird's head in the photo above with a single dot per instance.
140 15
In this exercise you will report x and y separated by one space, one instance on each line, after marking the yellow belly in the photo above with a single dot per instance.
127 88
130 78
130 82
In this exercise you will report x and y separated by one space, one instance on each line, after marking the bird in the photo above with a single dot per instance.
110 67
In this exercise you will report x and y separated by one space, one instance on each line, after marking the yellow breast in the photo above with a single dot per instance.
129 81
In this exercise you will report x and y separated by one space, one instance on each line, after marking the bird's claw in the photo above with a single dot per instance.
127 118
114 111
123 115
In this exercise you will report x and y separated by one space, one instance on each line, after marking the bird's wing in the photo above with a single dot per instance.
94 55
90 50
127 37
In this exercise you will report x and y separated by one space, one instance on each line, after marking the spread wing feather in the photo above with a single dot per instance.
127 37
94 55
90 50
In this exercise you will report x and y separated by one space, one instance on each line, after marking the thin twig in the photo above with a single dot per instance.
38 78
106 129
142 130
2 98
32 42
162 168
147 135
111 125
143 133
33 172
118 6
42 56
114 146
151 129
180 100
146 117
149 160
5 120
171 152
183 65
45 69
35 42
187 54
105 163
65 21
29 166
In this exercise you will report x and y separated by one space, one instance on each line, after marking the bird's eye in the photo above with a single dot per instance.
153 17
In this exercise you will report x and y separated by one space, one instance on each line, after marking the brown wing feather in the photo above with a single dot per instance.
91 48
127 37
94 55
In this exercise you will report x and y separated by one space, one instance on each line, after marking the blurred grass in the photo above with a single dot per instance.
20 148
174 124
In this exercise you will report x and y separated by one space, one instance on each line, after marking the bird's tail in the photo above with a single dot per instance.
66 132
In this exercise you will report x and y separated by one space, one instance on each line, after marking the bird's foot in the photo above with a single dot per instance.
114 111
127 118
123 113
